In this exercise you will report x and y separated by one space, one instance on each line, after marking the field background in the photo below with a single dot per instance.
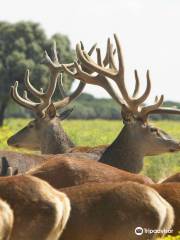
96 132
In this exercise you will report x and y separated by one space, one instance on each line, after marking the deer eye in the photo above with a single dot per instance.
154 130
31 125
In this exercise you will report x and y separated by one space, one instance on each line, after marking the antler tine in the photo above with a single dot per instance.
84 75
21 101
106 58
145 111
116 75
26 96
143 97
111 57
89 53
61 88
54 64
120 57
92 49
95 80
80 74
156 98
119 79
109 54
86 60
30 87
165 110
99 59
45 98
67 100
54 51
137 84
82 45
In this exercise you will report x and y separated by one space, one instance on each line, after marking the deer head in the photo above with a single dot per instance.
137 138
45 132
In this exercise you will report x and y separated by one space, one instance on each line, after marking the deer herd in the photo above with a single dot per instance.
87 193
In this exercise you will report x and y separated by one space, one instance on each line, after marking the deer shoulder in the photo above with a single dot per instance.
40 212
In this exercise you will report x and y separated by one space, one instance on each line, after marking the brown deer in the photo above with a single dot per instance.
40 211
113 211
64 172
45 132
45 129
136 140
6 220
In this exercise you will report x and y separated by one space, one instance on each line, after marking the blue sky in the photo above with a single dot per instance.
149 31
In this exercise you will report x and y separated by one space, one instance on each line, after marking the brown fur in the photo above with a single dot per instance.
66 172
6 220
171 193
38 208
62 171
112 211
21 161
84 149
173 178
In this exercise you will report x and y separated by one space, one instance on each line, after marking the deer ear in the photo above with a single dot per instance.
65 114
51 111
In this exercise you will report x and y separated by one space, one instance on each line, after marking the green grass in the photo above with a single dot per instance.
96 132
170 238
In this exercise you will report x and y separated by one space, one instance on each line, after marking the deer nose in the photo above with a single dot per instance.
175 148
10 141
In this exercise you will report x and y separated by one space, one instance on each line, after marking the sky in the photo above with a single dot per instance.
149 32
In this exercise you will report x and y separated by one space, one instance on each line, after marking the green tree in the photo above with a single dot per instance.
21 46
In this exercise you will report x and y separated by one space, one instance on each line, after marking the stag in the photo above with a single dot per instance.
45 129
40 211
137 138
45 132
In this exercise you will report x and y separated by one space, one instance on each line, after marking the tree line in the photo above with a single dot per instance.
21 46
89 107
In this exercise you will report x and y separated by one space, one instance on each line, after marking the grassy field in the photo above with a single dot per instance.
95 132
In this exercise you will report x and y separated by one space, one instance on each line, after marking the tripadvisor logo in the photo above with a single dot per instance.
138 231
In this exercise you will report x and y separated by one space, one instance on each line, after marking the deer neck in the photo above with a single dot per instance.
54 140
125 152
